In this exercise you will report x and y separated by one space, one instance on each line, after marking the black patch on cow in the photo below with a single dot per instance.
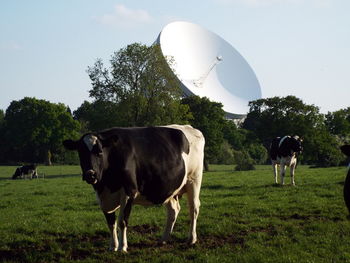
288 147
149 161
146 160
110 218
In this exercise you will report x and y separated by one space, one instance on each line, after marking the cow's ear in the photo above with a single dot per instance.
109 141
70 145
345 149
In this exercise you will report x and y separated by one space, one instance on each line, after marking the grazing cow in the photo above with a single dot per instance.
24 170
143 165
346 191
283 152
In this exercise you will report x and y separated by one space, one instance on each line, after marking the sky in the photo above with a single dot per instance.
295 47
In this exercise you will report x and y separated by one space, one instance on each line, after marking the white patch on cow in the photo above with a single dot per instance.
90 141
194 173
282 140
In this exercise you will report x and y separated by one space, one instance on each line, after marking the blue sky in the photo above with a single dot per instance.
295 47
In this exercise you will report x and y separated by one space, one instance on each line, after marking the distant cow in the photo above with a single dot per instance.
283 152
153 165
26 170
346 191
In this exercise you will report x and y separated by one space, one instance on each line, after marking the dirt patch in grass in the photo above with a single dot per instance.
144 229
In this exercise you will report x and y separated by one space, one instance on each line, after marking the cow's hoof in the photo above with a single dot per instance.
113 249
192 242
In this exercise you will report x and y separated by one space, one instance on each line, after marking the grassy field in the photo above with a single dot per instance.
244 217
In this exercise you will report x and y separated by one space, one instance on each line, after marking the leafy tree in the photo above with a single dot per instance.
234 136
257 152
225 154
141 83
34 130
97 115
241 139
338 123
208 117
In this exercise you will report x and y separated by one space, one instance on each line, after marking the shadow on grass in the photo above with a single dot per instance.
56 247
54 176
42 176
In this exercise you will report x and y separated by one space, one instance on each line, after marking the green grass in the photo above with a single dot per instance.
244 217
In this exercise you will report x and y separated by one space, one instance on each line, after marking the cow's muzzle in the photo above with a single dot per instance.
90 177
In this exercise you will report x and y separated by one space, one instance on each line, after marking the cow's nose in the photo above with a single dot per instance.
89 177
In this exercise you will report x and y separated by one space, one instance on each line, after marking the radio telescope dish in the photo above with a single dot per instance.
208 66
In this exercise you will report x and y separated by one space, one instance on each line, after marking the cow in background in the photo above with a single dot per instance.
346 191
26 170
145 165
283 152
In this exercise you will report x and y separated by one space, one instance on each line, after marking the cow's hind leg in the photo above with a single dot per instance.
193 189
274 166
173 209
283 172
110 218
292 171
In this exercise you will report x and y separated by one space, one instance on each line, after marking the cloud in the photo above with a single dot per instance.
125 18
11 46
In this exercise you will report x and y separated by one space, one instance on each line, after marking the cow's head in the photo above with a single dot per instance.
91 154
296 144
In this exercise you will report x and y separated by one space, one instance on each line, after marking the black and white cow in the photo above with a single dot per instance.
283 152
23 171
145 165
346 191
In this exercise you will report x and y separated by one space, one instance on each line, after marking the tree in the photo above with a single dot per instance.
208 117
142 85
34 130
98 115
338 123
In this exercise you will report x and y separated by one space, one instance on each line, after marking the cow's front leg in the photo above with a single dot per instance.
274 166
283 173
110 218
173 209
292 170
125 209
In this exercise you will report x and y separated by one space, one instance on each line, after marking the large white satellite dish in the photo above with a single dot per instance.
208 66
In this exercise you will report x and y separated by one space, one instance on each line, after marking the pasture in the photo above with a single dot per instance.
244 217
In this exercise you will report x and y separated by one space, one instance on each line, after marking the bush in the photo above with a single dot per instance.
226 154
243 161
258 152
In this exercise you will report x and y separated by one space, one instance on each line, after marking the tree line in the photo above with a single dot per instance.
139 89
